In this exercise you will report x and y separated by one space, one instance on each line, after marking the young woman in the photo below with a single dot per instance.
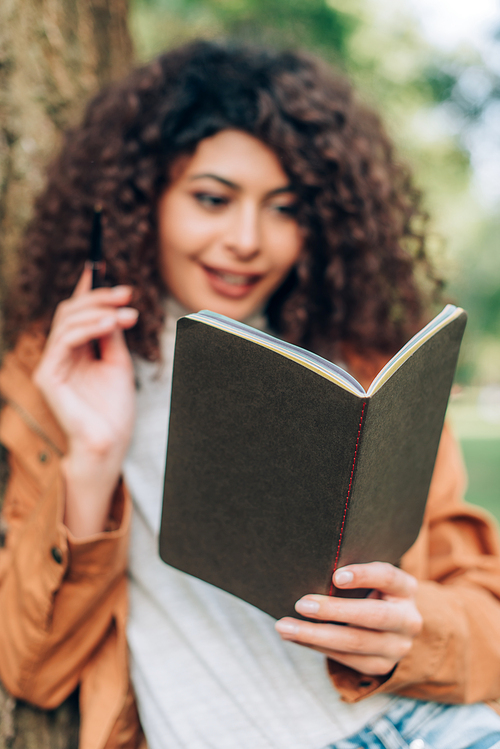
256 185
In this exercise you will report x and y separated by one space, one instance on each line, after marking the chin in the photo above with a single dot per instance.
237 310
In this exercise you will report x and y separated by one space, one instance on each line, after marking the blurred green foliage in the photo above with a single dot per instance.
483 468
314 24
473 413
477 285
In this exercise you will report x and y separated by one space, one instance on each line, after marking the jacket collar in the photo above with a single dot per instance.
19 391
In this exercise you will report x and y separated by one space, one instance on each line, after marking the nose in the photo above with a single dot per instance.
243 235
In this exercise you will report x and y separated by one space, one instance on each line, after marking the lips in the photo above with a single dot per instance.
229 283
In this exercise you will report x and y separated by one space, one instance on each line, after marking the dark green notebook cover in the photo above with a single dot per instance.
276 474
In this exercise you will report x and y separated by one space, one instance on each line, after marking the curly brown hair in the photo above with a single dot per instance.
361 215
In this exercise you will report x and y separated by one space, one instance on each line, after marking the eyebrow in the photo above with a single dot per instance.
234 186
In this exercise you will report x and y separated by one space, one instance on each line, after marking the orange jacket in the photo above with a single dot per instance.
64 601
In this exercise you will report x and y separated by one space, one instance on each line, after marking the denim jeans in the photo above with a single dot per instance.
411 724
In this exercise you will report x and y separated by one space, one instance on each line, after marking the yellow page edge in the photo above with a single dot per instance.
413 345
323 372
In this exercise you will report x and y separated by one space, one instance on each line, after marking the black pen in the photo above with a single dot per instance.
96 262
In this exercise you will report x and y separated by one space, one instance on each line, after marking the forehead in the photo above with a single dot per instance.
236 156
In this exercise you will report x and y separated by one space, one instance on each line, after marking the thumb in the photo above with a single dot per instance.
84 282
114 349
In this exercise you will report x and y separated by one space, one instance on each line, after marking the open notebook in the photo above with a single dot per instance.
281 468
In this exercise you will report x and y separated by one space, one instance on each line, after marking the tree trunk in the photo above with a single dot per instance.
54 54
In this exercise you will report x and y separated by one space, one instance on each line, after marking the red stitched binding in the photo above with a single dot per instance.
347 499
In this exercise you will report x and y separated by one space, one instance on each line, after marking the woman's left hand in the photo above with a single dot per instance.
380 629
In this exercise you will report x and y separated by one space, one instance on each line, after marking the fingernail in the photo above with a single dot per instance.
287 628
307 606
119 290
343 577
127 314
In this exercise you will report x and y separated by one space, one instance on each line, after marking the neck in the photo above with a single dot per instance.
174 310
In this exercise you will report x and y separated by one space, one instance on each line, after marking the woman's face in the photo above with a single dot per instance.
227 230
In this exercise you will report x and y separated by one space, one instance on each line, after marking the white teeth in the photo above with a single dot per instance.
234 279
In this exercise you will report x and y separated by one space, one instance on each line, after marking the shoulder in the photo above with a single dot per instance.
363 365
26 419
19 363
27 351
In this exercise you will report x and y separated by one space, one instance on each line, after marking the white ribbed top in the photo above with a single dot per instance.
209 670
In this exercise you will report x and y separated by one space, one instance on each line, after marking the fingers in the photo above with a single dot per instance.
369 634
374 652
84 282
71 335
91 324
116 296
400 616
372 665
380 576
113 347
92 314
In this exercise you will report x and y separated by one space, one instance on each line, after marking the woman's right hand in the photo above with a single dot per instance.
93 399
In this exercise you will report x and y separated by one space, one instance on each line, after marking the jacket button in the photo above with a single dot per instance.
56 554
43 457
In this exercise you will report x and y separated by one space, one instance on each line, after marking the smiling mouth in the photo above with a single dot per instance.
231 284
234 279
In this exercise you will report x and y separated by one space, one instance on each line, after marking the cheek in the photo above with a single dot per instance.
182 237
182 231
287 246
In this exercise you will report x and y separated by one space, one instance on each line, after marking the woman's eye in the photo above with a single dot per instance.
210 200
288 209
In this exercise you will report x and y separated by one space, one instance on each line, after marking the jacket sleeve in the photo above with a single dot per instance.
456 558
60 597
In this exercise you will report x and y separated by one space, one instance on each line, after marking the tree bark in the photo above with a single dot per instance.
25 727
54 54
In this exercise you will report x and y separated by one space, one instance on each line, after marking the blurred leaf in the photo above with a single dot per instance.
441 82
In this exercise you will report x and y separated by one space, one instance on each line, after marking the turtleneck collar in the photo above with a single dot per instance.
174 310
